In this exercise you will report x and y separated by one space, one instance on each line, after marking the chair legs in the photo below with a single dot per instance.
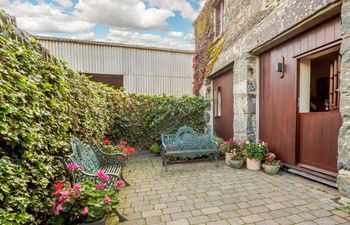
122 177
120 216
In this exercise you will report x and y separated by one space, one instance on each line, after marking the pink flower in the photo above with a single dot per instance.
64 195
102 175
72 166
247 142
119 183
85 210
107 200
58 209
77 186
100 186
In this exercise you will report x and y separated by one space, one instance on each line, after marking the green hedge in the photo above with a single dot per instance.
43 104
140 118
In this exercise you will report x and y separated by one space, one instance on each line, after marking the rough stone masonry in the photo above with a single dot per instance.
249 24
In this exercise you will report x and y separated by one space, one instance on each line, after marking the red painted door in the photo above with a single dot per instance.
223 105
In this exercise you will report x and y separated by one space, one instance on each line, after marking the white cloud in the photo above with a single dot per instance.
189 37
43 17
183 6
132 37
175 34
123 13
64 3
86 36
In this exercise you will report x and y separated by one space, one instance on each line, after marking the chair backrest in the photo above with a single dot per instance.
84 155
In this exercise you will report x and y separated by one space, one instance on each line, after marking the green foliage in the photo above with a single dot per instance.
154 148
255 150
141 118
43 104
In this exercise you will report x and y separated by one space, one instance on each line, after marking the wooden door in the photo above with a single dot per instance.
223 105
318 131
278 99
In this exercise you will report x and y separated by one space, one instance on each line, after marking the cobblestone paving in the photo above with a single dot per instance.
200 193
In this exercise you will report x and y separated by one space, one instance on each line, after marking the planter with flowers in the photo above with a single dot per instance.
85 202
254 153
271 165
122 147
226 148
237 158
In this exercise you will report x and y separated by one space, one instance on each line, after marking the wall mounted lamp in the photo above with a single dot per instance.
280 67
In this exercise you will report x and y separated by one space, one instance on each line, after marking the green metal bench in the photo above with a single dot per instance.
187 143
92 159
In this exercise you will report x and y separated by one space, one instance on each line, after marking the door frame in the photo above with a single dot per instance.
328 46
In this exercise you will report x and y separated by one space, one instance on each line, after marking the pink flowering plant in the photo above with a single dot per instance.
271 159
230 146
84 202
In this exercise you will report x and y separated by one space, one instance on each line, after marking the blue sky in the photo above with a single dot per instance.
163 23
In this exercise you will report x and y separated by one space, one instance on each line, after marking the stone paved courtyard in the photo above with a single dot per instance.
200 193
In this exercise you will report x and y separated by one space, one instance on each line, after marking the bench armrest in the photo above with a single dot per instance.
114 158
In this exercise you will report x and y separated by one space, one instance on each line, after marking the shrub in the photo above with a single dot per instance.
140 118
154 148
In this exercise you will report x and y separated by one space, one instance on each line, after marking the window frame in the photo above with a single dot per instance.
218 6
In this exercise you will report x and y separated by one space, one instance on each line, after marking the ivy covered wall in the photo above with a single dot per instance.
208 47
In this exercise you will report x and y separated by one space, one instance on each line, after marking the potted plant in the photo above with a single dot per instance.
254 153
84 202
271 165
237 158
122 147
155 148
226 149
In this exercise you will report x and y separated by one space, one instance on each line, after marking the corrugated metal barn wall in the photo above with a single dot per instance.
145 70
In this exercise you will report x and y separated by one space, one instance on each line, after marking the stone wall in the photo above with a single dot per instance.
344 134
244 95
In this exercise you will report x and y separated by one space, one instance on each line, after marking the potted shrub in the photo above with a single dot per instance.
271 165
155 148
84 202
254 153
237 158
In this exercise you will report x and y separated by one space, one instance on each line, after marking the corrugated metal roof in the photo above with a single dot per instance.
114 44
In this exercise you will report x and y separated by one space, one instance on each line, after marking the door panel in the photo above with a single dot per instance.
278 103
319 139
223 123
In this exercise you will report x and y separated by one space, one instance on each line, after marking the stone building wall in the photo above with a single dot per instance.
250 24
343 179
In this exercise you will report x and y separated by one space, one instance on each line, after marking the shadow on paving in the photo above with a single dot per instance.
200 193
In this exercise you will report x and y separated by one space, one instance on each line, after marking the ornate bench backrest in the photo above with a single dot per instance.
84 155
186 139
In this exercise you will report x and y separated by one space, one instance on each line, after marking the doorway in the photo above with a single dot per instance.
223 105
319 117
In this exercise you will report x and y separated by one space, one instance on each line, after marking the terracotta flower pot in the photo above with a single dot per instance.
98 222
271 169
253 164
237 164
228 156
